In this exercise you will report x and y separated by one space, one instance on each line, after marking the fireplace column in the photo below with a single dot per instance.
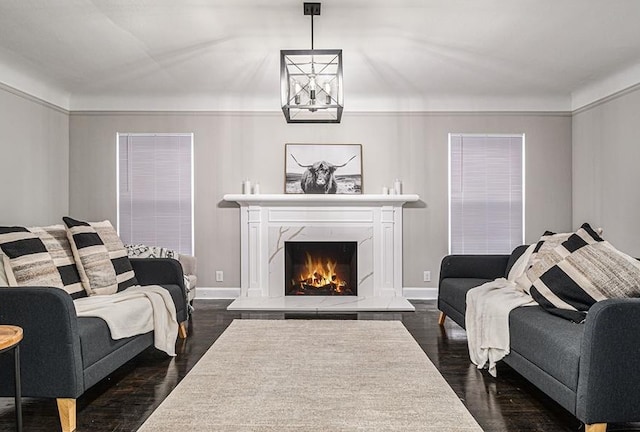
391 251
252 268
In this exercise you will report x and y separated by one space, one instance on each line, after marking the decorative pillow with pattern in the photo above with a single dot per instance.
92 258
55 239
117 253
144 251
541 259
590 270
3 274
27 261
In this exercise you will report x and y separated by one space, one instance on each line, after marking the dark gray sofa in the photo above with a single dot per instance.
591 369
63 355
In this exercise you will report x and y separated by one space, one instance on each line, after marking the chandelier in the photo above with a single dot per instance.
311 81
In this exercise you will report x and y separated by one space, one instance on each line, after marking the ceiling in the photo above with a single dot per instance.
398 54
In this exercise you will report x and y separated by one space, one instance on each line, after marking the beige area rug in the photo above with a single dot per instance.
298 375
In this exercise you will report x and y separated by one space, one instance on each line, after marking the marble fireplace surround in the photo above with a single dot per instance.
373 221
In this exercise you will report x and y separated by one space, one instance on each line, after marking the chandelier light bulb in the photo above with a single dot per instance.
327 90
298 89
312 88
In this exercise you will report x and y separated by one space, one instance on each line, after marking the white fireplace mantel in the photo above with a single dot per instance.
325 200
267 221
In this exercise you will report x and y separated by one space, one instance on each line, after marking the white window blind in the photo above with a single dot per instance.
155 190
486 193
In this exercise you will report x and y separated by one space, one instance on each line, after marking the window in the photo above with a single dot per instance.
486 193
155 190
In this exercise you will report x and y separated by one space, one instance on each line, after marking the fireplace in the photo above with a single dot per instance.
372 222
321 268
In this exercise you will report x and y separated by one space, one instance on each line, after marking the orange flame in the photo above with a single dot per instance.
318 273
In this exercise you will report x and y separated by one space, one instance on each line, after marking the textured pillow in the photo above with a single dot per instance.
521 264
92 258
117 253
3 274
144 251
590 270
544 255
55 239
27 262
541 259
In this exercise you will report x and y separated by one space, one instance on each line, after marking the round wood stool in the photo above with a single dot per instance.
10 337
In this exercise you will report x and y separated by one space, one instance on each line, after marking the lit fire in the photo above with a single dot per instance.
319 273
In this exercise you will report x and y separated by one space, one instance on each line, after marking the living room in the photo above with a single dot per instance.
74 76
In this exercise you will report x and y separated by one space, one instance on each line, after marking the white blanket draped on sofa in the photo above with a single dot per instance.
136 310
487 315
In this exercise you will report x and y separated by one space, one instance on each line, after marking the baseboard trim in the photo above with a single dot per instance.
420 293
211 293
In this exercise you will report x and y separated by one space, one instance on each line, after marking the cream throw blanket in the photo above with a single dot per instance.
487 315
136 310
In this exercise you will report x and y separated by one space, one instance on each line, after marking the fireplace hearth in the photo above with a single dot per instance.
321 268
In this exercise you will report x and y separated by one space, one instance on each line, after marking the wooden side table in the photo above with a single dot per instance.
10 337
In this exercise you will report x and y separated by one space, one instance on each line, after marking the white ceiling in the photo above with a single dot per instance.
398 54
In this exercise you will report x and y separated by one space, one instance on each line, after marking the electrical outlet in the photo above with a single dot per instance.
427 276
219 276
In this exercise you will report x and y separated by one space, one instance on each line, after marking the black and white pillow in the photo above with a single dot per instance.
125 275
27 261
590 270
92 258
55 239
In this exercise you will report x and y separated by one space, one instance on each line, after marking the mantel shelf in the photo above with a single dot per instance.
315 199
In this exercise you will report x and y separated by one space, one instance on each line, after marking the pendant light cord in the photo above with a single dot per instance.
311 31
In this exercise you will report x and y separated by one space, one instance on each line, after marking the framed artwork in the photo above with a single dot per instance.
323 168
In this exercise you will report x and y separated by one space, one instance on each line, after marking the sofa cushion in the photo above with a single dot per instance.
117 253
27 261
55 239
550 342
591 270
95 340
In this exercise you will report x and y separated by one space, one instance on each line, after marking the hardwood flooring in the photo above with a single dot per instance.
122 401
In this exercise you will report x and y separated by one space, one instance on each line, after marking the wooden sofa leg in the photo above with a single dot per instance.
595 427
182 330
441 318
67 412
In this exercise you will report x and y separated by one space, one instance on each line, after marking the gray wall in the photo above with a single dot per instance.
34 160
606 169
230 147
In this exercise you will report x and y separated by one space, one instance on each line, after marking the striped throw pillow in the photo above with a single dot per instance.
590 270
27 261
117 253
3 274
92 258
55 239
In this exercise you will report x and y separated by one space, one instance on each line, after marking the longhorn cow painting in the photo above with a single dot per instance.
323 168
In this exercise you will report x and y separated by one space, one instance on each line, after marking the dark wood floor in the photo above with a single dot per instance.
125 399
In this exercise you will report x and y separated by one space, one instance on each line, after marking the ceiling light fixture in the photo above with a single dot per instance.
311 81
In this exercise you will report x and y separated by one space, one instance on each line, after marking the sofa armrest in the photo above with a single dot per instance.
50 355
473 266
609 376
158 271
189 264
162 271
